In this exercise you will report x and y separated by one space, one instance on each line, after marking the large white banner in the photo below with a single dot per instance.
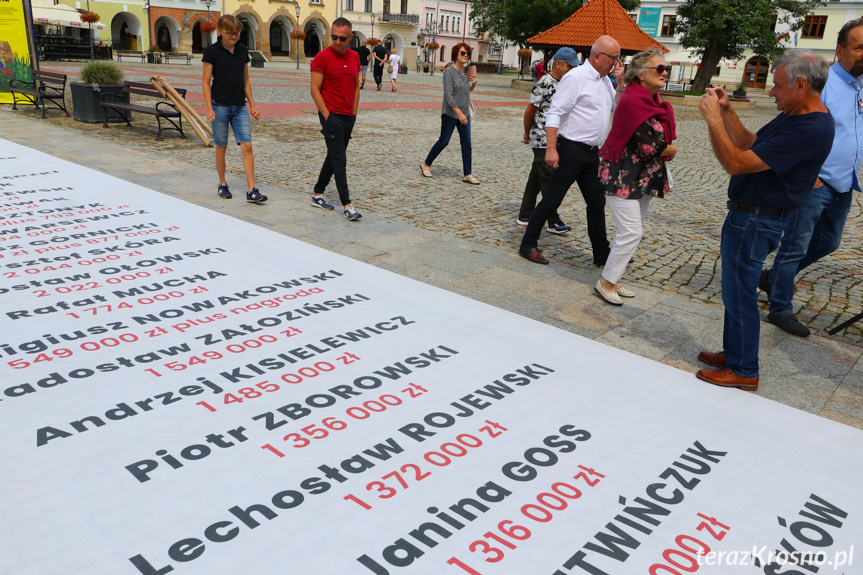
186 393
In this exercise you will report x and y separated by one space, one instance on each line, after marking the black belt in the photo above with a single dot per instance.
753 209
582 144
585 146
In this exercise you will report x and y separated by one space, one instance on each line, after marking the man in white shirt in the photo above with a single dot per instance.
576 125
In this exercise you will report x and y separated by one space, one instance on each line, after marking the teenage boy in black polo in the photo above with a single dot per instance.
226 90
364 53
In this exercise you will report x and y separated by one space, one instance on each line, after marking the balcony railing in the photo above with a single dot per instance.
398 18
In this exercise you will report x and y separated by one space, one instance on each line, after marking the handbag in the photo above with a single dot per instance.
390 69
471 110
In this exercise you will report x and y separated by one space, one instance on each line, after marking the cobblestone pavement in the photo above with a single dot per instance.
680 250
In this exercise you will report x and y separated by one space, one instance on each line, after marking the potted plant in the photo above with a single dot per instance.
371 42
90 17
298 35
151 54
207 27
97 78
739 91
258 59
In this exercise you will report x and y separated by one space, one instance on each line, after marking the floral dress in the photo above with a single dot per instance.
640 170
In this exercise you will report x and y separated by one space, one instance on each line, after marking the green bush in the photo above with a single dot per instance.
104 73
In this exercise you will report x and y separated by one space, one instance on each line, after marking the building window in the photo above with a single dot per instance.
349 5
457 24
386 6
368 5
668 23
773 18
813 26
404 6
634 17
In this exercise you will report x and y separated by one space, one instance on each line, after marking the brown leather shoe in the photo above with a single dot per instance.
724 377
716 359
533 255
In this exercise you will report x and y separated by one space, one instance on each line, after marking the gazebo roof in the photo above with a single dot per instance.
593 19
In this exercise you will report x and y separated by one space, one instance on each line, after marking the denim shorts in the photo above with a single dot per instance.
364 69
237 117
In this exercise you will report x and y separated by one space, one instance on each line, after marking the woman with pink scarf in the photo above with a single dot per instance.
632 163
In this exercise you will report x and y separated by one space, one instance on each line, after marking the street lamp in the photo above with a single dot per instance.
90 26
431 27
297 8
208 3
500 64
373 24
149 25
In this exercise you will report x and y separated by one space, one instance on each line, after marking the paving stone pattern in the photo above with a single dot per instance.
680 250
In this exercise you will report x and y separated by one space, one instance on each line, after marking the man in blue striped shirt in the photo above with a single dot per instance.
817 231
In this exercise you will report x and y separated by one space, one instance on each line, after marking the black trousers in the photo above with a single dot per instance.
537 183
378 73
337 133
577 164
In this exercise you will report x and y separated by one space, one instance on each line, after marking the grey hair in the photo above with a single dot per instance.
804 64
639 63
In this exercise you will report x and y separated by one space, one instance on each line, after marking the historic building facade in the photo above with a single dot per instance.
659 17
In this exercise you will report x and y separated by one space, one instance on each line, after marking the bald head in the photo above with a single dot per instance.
605 43
604 53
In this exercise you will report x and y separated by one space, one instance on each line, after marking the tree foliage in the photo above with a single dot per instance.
518 20
717 29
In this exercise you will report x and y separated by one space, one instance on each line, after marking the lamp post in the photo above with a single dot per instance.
90 27
297 8
431 29
373 24
149 26
500 64
210 34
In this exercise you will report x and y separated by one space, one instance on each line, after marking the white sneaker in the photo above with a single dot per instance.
351 214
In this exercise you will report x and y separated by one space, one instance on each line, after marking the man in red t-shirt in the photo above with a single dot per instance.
336 92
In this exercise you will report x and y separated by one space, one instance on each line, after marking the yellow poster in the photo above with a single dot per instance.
14 52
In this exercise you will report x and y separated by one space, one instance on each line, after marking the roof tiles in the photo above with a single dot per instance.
593 19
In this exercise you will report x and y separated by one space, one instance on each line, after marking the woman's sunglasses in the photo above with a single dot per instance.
463 53
662 68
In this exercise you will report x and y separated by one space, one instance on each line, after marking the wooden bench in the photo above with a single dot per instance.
113 106
177 56
131 54
45 87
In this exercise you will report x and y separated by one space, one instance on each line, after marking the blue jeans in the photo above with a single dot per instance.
447 125
747 239
237 117
815 233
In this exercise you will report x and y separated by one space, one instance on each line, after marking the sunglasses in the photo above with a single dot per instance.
463 53
227 33
339 38
662 68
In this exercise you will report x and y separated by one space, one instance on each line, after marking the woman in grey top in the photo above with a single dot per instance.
455 112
